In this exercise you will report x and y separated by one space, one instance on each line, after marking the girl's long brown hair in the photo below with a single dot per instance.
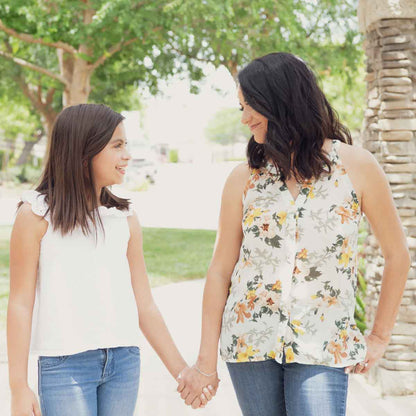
79 133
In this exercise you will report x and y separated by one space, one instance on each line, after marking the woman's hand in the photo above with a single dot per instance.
24 402
376 347
195 388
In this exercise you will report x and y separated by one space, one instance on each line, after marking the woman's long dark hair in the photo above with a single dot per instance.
79 133
282 88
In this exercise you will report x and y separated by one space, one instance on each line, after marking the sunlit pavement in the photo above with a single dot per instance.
180 305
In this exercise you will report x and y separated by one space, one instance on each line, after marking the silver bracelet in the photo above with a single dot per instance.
204 374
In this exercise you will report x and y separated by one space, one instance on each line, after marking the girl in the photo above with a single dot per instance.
76 261
280 290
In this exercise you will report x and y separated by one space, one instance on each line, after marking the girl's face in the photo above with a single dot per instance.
254 120
109 166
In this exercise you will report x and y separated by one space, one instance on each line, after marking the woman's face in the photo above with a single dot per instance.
109 166
254 120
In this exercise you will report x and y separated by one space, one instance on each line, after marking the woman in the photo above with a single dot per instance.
280 290
76 259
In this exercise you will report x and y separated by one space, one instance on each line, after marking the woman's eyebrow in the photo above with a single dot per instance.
118 139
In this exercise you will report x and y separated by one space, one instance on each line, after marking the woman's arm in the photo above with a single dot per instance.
378 206
27 233
225 256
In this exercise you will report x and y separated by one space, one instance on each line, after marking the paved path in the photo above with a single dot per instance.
180 305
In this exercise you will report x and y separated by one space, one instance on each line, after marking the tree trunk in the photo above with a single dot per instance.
28 147
78 77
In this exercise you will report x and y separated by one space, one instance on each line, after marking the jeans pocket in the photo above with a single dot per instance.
52 362
134 350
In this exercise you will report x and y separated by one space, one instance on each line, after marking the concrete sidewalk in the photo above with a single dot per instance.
180 305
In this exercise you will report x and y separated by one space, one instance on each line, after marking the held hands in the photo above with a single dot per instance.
376 347
196 387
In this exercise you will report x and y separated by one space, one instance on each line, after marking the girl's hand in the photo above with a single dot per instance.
25 403
195 388
376 347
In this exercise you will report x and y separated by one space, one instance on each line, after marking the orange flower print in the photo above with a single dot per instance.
296 270
336 350
241 311
331 300
345 214
241 343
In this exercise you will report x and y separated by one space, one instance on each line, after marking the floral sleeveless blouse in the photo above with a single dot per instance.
293 288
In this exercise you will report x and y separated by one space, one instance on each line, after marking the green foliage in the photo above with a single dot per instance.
226 128
25 174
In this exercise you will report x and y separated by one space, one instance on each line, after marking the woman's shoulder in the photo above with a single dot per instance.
238 177
356 156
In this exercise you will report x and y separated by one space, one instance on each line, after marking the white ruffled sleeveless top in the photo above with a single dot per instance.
84 297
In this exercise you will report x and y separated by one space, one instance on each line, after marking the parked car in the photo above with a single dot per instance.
140 169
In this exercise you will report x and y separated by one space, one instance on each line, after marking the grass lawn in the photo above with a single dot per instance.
171 256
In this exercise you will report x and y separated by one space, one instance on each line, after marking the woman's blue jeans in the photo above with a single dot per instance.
267 388
101 382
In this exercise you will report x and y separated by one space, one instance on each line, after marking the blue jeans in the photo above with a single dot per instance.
267 388
101 382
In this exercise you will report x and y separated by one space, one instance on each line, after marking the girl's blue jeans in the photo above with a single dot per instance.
102 382
267 388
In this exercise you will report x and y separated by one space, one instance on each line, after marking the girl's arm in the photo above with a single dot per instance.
27 233
151 321
378 206
225 256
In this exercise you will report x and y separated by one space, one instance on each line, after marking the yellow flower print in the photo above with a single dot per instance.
277 285
282 217
245 356
343 334
272 354
355 206
345 257
303 254
251 297
250 218
297 324
336 183
290 356
322 317
292 202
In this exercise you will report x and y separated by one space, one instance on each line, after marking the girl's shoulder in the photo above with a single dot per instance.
37 203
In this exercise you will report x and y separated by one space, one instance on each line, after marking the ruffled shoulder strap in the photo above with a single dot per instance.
37 201
114 212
